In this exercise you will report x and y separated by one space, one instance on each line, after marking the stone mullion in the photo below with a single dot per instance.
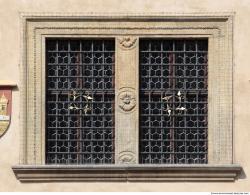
127 97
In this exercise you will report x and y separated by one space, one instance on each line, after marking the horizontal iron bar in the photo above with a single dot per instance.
152 153
83 77
165 77
89 128
175 128
173 140
78 51
83 115
171 51
83 90
162 102
173 64
174 114
80 140
81 64
93 153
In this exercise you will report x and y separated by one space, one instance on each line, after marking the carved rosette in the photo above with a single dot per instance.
127 101
127 42
126 157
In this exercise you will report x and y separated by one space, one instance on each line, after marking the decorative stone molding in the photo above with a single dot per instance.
127 101
127 42
126 173
126 157
217 27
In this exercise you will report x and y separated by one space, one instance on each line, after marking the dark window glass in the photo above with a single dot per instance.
79 101
173 101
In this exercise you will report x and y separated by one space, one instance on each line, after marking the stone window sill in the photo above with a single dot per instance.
124 173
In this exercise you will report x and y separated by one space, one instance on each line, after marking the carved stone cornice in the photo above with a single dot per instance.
128 15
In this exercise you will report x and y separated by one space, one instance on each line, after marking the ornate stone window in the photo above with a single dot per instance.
171 77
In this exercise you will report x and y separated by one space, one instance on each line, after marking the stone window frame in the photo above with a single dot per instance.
127 29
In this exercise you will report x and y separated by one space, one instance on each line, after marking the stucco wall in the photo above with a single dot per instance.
10 57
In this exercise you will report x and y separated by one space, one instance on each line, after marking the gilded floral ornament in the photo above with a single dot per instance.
86 108
127 42
127 101
179 108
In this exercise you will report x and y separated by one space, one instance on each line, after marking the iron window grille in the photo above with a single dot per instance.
80 101
173 101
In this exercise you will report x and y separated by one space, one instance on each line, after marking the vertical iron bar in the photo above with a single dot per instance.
161 96
57 67
150 104
185 125
92 113
172 65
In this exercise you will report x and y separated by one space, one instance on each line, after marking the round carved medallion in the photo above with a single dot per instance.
127 100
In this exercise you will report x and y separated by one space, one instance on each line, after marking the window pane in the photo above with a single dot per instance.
173 101
80 101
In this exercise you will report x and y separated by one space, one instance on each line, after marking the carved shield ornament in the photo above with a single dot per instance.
5 110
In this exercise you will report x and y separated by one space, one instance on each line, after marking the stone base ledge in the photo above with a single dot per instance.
125 173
